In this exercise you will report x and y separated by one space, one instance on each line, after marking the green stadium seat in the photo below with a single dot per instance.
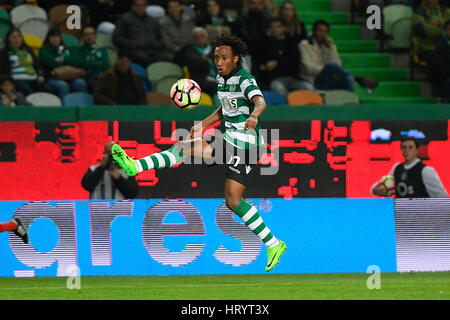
162 69
342 32
390 89
112 55
356 45
364 60
340 97
398 24
379 73
5 26
70 41
332 18
401 32
4 14
312 6
399 100
393 13
104 40
165 84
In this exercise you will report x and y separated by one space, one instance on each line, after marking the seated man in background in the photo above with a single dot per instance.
276 66
107 181
176 28
8 94
252 25
120 84
413 179
139 34
428 26
321 65
95 60
196 56
440 65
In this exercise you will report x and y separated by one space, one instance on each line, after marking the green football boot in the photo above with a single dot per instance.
274 254
123 160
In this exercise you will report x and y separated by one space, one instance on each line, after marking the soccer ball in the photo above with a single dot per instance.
185 94
389 182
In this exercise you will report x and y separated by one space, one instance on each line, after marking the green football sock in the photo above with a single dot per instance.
164 159
249 214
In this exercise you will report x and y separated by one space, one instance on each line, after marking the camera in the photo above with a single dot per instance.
110 163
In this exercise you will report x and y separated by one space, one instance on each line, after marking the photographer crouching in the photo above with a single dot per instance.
107 181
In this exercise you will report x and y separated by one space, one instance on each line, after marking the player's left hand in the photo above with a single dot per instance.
251 123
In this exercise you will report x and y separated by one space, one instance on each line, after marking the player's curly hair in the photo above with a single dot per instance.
238 46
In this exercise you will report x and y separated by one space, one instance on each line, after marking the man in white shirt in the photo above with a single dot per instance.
320 63
413 179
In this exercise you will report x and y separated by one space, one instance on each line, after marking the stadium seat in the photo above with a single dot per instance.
312 6
5 26
104 41
393 13
340 97
36 27
155 11
78 99
33 42
333 18
390 89
165 84
381 74
401 32
69 40
356 45
44 99
342 32
206 100
162 69
112 55
25 12
143 75
4 14
158 99
58 16
361 60
399 100
106 27
272 97
304 97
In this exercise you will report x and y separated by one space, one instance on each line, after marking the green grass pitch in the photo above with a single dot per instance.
234 287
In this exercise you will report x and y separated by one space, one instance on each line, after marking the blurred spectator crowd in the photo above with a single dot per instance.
131 52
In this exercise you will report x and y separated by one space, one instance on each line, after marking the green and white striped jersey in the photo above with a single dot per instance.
235 94
19 72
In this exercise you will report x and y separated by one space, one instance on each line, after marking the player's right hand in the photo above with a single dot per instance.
196 131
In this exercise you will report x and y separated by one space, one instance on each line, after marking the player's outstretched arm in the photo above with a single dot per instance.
197 130
260 107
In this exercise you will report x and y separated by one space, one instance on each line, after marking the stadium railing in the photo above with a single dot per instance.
274 113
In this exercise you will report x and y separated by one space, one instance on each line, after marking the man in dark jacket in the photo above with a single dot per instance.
276 66
196 57
253 24
107 181
139 34
440 64
120 84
